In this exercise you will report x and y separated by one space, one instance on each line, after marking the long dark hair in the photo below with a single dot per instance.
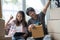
23 21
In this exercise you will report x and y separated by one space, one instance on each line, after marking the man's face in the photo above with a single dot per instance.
32 14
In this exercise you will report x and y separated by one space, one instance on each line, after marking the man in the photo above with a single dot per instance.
36 18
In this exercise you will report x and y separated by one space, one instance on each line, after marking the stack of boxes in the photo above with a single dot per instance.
2 24
54 23
0 10
2 31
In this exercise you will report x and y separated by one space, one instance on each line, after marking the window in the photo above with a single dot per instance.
10 7
36 4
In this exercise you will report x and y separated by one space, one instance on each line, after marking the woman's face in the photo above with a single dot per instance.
19 17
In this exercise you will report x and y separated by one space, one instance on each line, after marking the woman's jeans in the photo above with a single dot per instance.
17 38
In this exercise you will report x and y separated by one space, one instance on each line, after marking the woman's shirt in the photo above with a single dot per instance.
19 28
14 29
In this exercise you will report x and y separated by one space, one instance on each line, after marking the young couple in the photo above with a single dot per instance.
19 28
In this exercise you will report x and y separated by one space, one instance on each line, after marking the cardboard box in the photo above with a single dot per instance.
53 26
55 36
37 32
5 38
0 10
2 24
55 13
8 38
1 38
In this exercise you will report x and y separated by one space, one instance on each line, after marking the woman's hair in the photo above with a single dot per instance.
23 21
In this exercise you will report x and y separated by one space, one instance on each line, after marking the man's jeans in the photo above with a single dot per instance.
47 37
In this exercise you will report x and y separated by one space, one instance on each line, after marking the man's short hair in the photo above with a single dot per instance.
29 9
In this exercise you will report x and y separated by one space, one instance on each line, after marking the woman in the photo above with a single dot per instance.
18 27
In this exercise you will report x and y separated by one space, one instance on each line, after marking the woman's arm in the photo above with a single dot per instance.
7 24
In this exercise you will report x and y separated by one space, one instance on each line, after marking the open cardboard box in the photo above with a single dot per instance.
37 32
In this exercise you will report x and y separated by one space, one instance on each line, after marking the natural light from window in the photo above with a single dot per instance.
10 7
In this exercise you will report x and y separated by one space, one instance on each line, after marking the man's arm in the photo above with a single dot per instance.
46 7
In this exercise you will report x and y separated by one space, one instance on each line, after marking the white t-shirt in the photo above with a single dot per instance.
19 28
15 29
